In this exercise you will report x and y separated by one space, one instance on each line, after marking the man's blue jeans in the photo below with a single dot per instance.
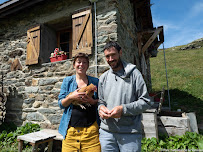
119 142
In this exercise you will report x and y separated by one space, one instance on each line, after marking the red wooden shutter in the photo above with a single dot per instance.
82 32
33 46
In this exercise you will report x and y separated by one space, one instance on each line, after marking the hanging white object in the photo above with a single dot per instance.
143 65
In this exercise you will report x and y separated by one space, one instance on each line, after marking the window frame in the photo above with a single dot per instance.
69 30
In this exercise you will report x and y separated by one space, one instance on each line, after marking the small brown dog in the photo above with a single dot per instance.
89 90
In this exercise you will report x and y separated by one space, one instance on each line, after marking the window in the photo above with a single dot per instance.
64 41
72 35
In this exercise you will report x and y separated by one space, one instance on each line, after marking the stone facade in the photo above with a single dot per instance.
33 91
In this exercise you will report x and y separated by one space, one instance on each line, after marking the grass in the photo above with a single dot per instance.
185 78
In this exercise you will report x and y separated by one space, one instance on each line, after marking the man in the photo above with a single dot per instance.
123 97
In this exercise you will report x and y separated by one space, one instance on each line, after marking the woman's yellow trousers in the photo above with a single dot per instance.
80 139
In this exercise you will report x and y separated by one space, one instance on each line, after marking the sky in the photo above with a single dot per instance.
1 1
182 20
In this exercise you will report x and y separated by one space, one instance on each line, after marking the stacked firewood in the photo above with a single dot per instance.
3 100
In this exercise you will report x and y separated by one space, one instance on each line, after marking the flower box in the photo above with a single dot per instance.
58 58
155 97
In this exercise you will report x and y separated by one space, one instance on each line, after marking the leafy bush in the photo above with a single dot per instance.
189 141
9 133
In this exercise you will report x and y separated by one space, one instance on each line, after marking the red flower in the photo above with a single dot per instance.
56 50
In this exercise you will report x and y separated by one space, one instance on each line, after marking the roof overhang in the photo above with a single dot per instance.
148 36
142 10
12 6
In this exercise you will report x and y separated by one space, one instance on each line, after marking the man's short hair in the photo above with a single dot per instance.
111 44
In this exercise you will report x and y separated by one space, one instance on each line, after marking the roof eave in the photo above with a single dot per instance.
13 6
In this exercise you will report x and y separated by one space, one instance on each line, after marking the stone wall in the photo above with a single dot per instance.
33 91
3 100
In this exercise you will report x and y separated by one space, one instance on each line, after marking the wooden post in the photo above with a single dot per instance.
50 144
149 123
34 147
193 121
20 145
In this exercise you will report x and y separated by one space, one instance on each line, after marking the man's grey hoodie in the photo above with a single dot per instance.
126 88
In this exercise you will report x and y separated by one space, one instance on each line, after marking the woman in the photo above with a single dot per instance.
79 126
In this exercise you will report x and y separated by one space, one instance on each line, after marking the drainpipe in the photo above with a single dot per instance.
169 99
95 26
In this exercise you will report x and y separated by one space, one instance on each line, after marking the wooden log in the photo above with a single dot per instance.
148 135
173 125
193 122
173 121
170 113
149 125
172 131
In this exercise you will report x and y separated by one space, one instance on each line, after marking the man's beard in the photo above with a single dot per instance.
117 64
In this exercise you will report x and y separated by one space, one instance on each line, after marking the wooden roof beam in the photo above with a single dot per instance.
151 39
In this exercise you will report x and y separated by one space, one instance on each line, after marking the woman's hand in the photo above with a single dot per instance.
76 95
73 96
90 100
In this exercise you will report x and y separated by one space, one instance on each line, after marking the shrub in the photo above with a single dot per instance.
189 141
9 133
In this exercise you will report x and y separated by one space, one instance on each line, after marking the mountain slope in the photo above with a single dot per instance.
185 76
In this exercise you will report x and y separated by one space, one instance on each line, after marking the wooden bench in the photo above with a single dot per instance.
35 139
54 132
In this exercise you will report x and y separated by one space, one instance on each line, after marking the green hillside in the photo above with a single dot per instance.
185 77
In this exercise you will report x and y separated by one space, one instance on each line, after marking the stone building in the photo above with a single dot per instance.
31 30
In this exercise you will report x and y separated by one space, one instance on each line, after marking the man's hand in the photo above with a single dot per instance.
116 112
104 112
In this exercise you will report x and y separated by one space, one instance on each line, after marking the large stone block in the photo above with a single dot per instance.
54 119
35 82
28 101
43 69
35 117
31 89
40 97
46 88
37 104
58 85
105 30
103 39
106 16
48 81
47 111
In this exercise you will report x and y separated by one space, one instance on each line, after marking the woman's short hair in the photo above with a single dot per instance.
81 55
